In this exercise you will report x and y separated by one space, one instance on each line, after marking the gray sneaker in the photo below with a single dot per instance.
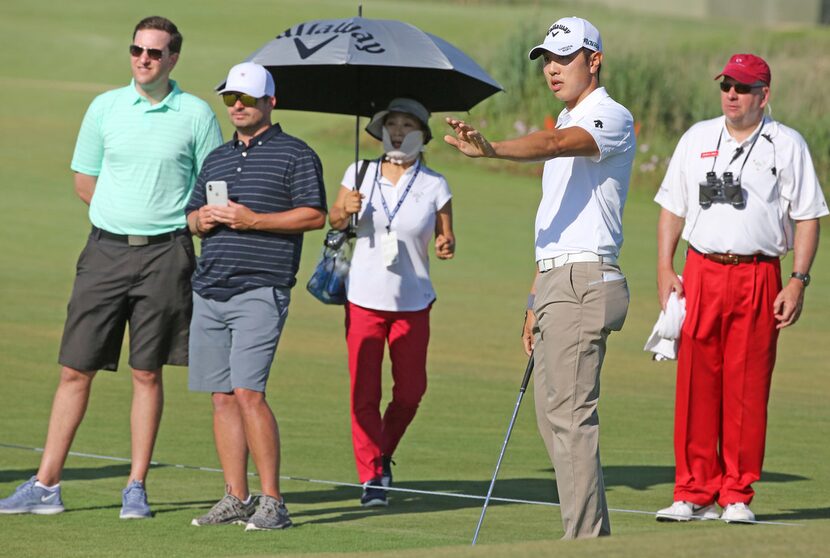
270 514
29 498
229 510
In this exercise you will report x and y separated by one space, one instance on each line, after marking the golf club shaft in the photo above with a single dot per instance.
522 390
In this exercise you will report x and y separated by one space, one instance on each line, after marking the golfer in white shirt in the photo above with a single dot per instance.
579 294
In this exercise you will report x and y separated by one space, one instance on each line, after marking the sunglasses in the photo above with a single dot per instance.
740 88
247 100
152 53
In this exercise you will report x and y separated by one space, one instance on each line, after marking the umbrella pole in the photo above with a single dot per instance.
353 220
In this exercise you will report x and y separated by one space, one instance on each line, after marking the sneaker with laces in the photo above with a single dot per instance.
134 502
30 498
373 494
229 510
270 514
737 513
682 510
386 476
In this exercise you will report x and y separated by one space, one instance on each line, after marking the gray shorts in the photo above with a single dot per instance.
232 343
145 286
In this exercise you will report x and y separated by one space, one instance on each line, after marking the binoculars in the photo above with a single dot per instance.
721 190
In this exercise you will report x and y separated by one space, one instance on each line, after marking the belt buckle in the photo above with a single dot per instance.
137 240
732 259
545 264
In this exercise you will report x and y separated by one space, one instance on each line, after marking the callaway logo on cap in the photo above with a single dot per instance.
568 35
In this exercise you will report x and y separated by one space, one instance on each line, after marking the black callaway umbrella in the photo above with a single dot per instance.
357 65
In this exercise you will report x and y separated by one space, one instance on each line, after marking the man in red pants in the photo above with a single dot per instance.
742 191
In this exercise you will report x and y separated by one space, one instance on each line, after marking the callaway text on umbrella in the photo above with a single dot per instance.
357 65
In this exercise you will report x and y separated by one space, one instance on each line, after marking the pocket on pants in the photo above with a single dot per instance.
616 295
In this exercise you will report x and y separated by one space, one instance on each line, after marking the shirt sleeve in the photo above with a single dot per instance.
208 137
306 181
442 194
88 157
800 185
673 195
612 128
198 196
348 176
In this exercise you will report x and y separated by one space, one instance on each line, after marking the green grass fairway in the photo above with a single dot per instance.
56 56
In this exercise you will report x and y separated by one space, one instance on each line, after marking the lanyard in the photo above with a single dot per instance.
739 150
394 212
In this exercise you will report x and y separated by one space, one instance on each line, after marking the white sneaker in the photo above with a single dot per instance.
737 513
686 511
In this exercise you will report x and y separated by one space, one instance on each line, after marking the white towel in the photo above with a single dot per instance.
663 339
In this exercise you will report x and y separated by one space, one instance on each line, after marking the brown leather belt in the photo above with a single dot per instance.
733 259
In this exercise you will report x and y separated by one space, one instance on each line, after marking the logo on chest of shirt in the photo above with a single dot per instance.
707 154
417 196
598 124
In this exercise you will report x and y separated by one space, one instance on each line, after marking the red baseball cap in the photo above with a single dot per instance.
747 68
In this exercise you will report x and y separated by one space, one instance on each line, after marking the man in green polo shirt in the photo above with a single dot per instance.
138 153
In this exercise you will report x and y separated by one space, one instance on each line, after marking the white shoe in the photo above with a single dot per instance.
686 511
737 513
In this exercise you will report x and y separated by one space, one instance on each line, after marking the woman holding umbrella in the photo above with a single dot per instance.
399 206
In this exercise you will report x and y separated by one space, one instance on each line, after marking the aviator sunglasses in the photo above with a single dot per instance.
740 88
230 99
152 53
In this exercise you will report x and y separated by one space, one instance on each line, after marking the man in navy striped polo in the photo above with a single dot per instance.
241 288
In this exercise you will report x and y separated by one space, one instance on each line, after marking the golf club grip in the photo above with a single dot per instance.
528 372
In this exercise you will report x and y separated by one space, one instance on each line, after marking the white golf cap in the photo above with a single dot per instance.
568 35
407 106
250 78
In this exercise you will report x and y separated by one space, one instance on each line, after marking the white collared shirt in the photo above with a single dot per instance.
405 285
778 181
583 197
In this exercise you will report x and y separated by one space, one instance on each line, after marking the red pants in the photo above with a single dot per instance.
367 332
724 369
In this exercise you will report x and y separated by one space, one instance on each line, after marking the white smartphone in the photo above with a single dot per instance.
217 192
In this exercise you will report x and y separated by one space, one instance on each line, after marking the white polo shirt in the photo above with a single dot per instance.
778 181
582 197
405 285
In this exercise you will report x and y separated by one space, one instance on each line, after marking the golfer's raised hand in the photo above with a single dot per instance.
527 331
352 202
445 246
235 215
468 140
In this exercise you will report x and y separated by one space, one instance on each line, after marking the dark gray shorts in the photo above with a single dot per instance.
233 342
145 286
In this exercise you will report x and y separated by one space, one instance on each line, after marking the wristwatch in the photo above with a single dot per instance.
803 277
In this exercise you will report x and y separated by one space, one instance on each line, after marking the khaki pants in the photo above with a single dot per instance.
577 306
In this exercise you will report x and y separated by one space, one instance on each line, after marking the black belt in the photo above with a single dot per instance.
137 240
733 259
